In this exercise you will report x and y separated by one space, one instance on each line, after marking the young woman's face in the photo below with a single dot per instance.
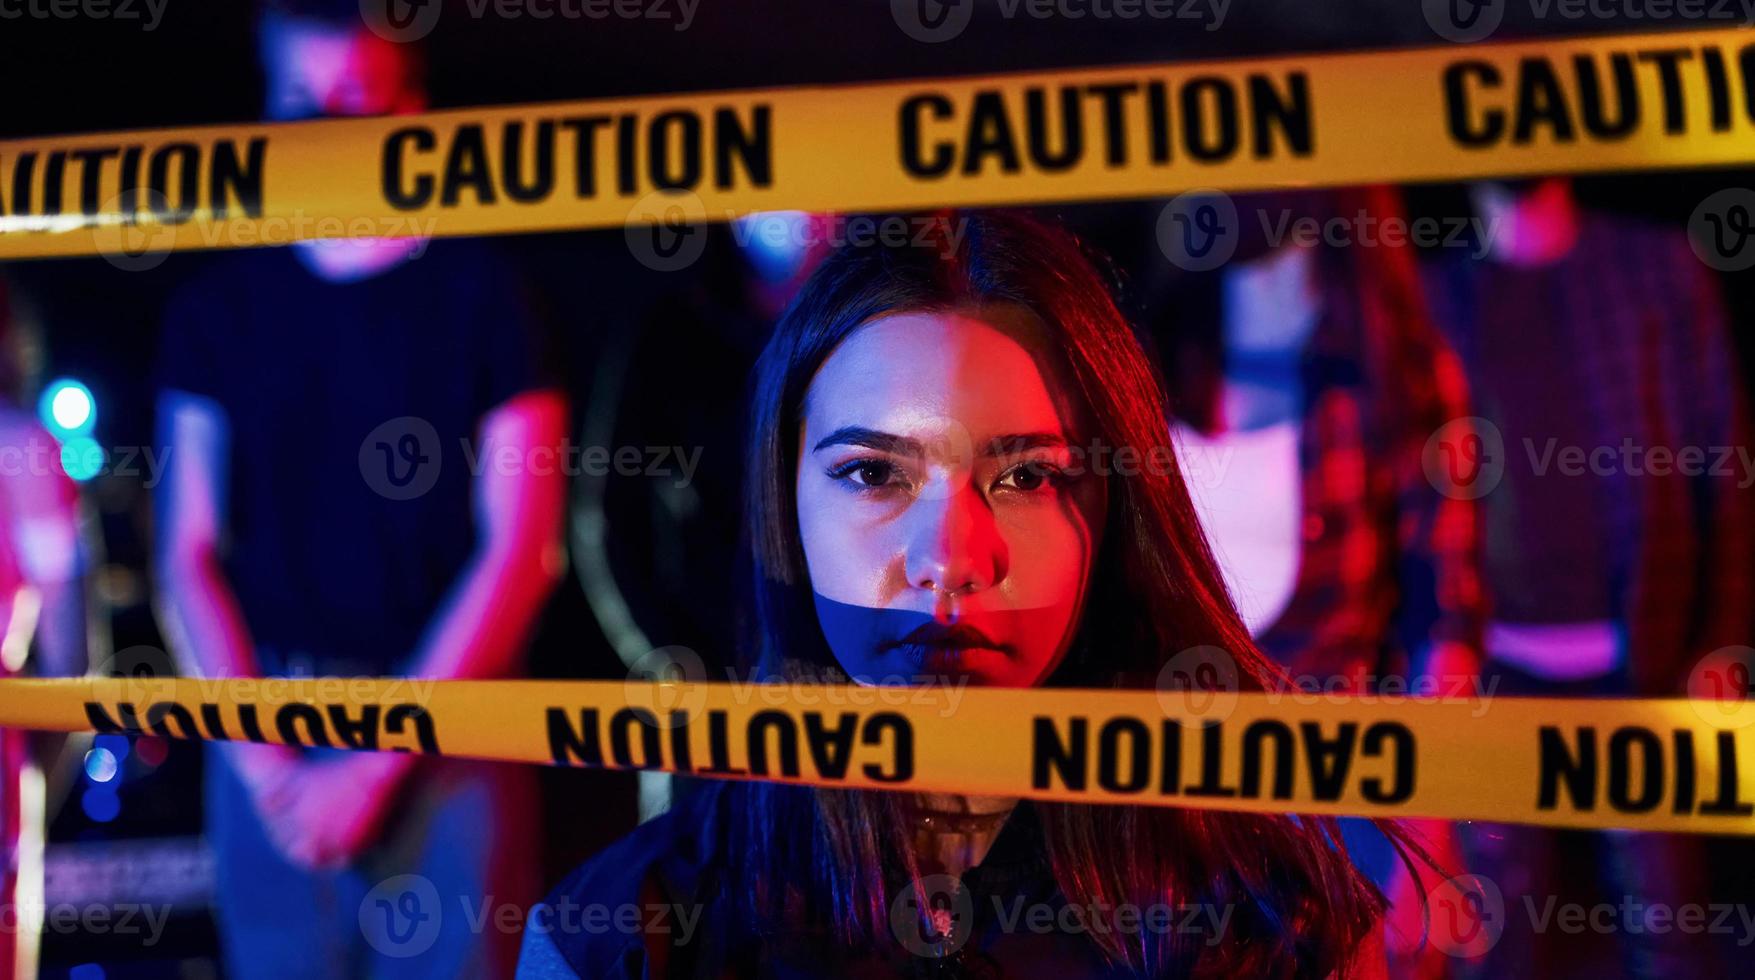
948 516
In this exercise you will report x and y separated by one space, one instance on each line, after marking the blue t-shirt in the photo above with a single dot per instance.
344 535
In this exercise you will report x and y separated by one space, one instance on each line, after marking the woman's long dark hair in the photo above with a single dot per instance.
812 861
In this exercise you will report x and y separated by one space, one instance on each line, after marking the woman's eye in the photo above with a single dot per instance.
1029 476
866 473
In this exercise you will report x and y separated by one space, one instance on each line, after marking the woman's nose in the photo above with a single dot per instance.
955 546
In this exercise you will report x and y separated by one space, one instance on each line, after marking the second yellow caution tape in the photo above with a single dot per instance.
1643 764
1634 102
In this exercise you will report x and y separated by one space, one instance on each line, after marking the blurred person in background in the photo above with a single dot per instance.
318 518
42 632
1306 380
1584 332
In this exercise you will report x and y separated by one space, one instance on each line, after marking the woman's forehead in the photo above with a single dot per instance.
989 369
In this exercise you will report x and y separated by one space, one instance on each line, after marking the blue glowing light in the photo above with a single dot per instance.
100 765
776 242
101 803
116 745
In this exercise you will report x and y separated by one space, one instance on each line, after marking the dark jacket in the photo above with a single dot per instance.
650 906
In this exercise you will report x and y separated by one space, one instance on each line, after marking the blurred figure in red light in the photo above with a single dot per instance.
1604 339
1307 382
42 610
318 518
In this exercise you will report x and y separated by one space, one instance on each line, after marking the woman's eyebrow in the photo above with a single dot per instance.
1006 445
1011 445
854 435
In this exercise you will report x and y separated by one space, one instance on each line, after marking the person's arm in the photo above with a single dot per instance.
48 615
60 640
538 956
196 606
1442 607
519 557
44 533
1442 614
333 811
1725 501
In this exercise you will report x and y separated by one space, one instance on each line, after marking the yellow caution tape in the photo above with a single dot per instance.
1635 102
1672 765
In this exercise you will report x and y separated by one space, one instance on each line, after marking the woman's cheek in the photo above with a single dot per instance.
839 551
1048 564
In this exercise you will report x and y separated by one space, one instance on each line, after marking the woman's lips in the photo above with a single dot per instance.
937 646
876 643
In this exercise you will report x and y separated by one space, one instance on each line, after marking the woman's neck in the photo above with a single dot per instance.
953 833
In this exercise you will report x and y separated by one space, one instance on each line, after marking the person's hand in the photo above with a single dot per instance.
329 811
1406 936
1453 670
262 769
